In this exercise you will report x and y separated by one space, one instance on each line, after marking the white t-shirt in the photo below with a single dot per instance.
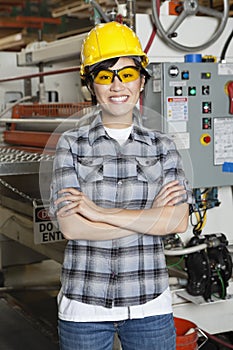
73 310
120 135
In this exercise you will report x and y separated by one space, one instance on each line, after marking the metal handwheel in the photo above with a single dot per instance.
190 8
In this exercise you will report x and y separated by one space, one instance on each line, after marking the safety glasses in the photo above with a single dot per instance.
125 75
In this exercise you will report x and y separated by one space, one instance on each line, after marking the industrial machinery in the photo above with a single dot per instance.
194 105
189 96
186 9
36 123
209 270
26 125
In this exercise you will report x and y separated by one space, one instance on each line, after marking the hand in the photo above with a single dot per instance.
78 203
170 194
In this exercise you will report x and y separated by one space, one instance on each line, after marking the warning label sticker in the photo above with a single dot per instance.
223 140
45 230
177 108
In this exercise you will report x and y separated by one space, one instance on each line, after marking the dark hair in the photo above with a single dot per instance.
108 64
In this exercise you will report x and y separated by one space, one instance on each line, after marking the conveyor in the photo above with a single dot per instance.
24 161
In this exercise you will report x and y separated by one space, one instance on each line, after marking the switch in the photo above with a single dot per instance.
173 71
206 107
205 139
206 75
178 91
192 90
205 90
185 75
230 93
206 123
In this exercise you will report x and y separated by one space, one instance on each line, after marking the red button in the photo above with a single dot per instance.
207 139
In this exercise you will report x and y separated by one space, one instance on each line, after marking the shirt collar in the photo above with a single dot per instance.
139 132
96 130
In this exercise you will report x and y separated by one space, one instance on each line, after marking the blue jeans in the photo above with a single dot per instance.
150 333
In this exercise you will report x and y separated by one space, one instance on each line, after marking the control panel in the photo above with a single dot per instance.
193 103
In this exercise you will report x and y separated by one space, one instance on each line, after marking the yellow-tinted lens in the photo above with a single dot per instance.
128 74
104 77
125 75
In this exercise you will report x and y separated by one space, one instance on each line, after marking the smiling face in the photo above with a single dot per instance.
118 99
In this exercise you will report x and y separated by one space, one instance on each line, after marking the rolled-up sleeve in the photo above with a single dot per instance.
173 170
64 173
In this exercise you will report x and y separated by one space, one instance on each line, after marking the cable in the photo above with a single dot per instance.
201 221
154 30
177 264
15 104
222 283
217 340
151 39
148 46
225 47
204 200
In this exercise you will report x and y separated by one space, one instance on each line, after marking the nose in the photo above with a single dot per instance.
116 84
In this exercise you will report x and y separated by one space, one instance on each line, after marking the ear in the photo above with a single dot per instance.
143 80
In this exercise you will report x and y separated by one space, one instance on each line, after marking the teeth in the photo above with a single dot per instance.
119 98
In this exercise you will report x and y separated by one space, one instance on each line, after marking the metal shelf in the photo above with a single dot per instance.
20 162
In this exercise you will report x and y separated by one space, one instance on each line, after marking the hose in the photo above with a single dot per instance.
188 250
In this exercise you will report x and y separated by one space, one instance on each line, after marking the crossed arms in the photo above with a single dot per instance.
83 219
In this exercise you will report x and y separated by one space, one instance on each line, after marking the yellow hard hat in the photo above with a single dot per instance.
109 40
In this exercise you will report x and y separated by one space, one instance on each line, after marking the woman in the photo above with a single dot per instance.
117 189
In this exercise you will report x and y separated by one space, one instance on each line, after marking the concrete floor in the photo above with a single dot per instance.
28 308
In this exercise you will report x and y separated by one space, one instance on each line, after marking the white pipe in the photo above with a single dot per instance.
174 281
25 98
189 250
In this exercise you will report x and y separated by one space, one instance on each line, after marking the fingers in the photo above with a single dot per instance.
175 198
69 198
171 194
171 186
174 194
69 194
70 190
171 189
168 187
70 201
68 209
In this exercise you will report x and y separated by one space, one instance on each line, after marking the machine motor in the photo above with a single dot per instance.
210 269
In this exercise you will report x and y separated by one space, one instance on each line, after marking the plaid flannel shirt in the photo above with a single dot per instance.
130 270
